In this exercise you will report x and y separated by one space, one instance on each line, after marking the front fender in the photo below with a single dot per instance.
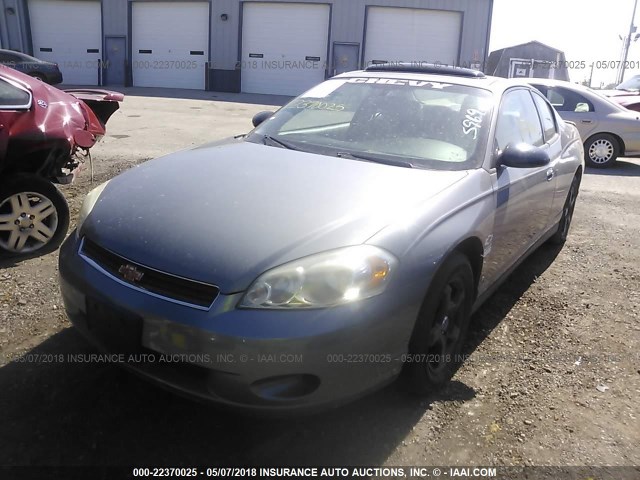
428 235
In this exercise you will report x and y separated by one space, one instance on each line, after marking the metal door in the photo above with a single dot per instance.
113 70
345 57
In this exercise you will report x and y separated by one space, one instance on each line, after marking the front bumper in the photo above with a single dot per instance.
251 359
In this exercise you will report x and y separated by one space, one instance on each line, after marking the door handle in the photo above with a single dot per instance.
586 121
550 174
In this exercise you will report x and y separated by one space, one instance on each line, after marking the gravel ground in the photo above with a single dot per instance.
552 377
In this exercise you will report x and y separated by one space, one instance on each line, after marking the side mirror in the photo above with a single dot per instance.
522 155
260 117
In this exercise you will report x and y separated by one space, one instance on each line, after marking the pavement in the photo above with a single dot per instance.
153 122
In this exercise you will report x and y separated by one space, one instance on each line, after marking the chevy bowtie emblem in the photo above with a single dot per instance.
130 273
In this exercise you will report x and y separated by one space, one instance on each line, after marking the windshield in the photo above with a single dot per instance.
413 123
632 84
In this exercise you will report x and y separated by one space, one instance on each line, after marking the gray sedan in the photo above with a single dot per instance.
608 130
347 238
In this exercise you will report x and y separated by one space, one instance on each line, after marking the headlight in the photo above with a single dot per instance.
323 280
89 203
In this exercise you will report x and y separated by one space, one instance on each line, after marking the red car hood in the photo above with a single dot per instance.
625 98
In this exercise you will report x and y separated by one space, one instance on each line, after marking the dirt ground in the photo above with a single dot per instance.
552 378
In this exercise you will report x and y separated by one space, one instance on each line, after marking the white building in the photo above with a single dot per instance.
278 47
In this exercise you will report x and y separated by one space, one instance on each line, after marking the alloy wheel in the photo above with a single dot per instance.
28 222
447 327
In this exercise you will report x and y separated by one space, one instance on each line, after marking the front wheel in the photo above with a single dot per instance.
560 237
601 150
436 344
34 216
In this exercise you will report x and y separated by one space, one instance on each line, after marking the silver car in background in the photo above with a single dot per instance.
608 129
347 238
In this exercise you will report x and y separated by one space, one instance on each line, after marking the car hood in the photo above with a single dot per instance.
225 213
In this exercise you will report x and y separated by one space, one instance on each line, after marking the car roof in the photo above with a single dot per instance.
577 87
494 84
21 55
547 82
551 82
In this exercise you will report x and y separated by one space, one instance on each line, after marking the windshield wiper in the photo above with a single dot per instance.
280 143
371 158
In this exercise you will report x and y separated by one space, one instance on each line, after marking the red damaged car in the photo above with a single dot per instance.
45 136
626 94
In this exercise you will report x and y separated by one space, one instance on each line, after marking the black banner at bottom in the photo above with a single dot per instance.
351 472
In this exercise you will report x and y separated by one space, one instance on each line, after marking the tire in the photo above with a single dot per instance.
34 216
560 237
442 324
601 150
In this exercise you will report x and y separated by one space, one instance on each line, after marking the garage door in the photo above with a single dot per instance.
408 35
70 34
284 47
164 54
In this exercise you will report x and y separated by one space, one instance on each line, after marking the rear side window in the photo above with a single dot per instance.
546 117
565 100
13 97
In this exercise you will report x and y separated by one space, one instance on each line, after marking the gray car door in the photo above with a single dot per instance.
553 144
523 196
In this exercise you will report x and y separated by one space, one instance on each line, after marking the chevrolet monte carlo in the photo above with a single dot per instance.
346 239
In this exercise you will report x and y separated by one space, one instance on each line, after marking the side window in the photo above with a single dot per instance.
555 99
546 117
518 121
12 97
568 101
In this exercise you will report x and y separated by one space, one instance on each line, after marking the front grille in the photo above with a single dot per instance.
153 281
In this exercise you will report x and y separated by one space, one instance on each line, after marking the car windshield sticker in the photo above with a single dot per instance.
472 122
399 81
311 104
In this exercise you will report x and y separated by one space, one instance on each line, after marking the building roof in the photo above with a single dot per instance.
499 51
